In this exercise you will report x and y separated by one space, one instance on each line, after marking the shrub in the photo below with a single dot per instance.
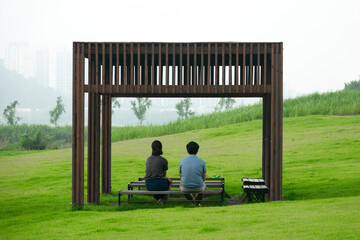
37 142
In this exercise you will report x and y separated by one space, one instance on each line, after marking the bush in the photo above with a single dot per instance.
352 86
37 142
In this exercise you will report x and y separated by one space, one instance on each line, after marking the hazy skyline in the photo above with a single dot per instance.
321 38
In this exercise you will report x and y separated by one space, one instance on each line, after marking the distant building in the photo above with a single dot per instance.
64 73
42 67
19 57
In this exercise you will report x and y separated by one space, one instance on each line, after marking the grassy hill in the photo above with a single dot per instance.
320 187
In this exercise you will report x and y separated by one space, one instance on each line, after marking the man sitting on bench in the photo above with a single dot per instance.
156 167
192 170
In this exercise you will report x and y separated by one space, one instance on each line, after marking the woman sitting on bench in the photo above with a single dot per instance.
156 167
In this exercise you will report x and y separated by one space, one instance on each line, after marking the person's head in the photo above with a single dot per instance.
156 148
192 147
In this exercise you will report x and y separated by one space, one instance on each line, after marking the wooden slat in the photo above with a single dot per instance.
230 67
244 67
153 68
138 80
251 82
258 65
166 67
202 79
209 65
146 65
110 79
173 66
160 67
97 78
103 68
117 72
265 64
131 64
124 67
223 66
237 66
188 66
181 67
216 66
194 82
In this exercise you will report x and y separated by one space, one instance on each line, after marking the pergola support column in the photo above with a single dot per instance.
106 145
78 126
273 128
93 180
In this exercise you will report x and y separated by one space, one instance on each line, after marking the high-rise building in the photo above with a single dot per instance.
19 57
42 67
64 73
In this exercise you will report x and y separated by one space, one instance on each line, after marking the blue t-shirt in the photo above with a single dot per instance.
192 169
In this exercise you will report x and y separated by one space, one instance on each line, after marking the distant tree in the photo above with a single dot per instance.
9 113
353 85
115 104
183 109
224 103
57 111
140 107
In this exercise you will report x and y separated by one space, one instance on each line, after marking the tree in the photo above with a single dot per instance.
57 111
183 109
140 108
115 104
9 113
353 85
226 103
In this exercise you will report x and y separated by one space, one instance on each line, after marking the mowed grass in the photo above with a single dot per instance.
320 188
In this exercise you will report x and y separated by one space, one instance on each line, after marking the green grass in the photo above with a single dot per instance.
320 188
331 103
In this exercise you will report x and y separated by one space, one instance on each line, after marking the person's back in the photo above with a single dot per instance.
192 169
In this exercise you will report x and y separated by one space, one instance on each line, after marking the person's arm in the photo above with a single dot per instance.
204 176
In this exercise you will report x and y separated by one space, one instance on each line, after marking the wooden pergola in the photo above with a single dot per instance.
141 69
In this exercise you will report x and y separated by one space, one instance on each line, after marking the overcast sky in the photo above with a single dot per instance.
321 38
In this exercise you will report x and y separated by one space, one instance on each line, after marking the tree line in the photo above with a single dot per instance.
139 107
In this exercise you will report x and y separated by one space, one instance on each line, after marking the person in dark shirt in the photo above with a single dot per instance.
156 168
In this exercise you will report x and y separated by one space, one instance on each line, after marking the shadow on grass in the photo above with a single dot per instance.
109 203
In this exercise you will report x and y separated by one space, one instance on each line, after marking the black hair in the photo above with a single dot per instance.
192 147
156 148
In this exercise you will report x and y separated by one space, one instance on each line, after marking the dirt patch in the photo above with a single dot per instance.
234 201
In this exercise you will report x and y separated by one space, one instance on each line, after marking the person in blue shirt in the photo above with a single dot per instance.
192 170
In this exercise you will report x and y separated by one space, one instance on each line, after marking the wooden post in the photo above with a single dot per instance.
78 126
106 133
93 180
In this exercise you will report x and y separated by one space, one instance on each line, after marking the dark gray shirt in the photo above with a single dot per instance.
156 167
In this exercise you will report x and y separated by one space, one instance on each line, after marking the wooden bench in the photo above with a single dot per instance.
210 183
169 192
217 183
255 189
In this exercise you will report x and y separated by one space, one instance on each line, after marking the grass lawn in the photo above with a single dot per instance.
320 188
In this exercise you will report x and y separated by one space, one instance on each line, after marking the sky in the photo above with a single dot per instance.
321 38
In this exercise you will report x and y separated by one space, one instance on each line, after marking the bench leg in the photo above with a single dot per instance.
119 199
